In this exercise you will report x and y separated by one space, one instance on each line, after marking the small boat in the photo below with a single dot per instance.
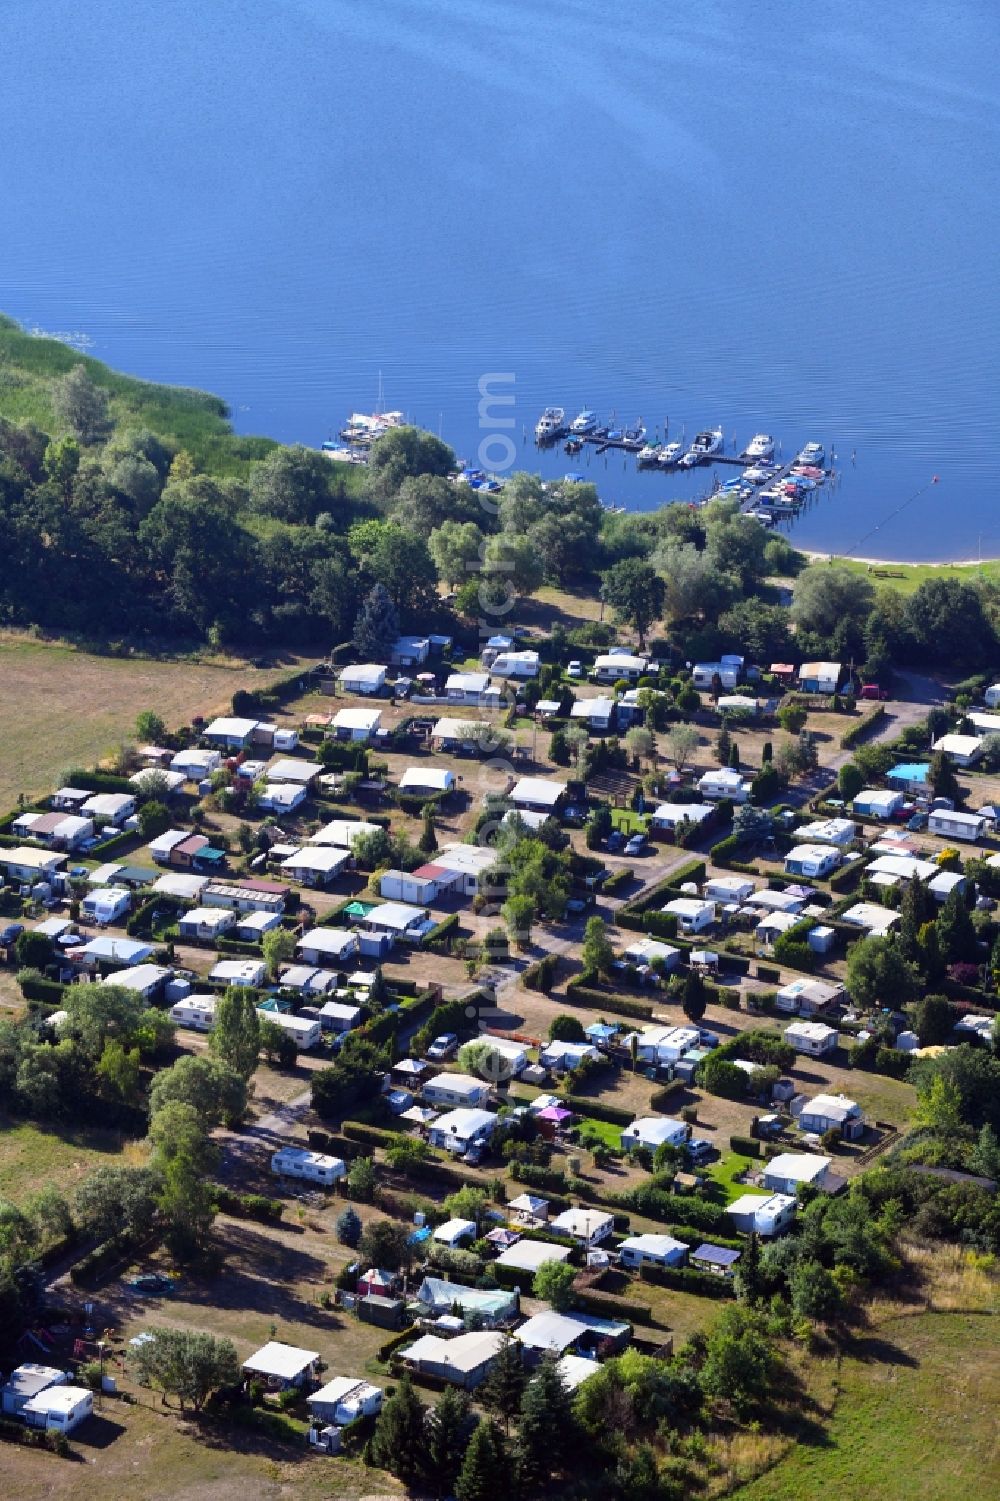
635 436
550 424
757 474
705 446
761 446
362 428
671 454
649 453
813 454
584 422
573 479
344 454
573 445
809 471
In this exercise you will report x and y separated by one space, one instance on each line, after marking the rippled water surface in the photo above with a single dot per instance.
779 215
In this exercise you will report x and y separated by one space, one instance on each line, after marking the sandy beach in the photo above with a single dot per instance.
830 557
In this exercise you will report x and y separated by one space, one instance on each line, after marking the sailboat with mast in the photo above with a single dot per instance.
362 428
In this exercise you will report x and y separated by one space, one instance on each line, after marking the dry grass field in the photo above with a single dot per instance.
60 707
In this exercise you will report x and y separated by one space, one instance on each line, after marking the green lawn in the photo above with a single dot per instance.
609 1133
915 1419
907 577
628 821
723 1174
31 1157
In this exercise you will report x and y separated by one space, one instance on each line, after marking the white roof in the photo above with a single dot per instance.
357 719
655 1129
155 776
456 1083
904 867
142 976
335 941
460 729
316 857
259 921
284 1361
468 682
232 727
279 795
31 856
754 1203
828 830
688 907
722 776
574 1370
813 990
304 1155
250 970
777 922
537 790
307 977
529 1255
811 1031
465 1122
196 759
531 818
463 1352
209 917
776 901
580 1221
876 797
176 883
871 916
819 670
338 1011
364 672
342 832
556 1331
834 1107
122 950
291 769
58 1399
798 1167
164 843
452 1229
396 915
620 659
438 777
592 708
953 745
653 1245
815 853
471 859
105 898
955 816
109 803
671 813
340 1387
645 949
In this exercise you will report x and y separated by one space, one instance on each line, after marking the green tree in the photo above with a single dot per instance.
235 1037
597 953
183 1160
277 947
361 1178
878 975
399 1440
118 1071
739 1365
933 1018
81 406
154 819
940 1105
348 1226
682 742
215 1091
292 484
943 778
636 593
748 1279
385 1244
117 1200
553 1283
566 1028
99 1012
723 744
186 1364
825 596
974 1072
815 1292
792 718
640 743
468 1203
518 913
484 1475
150 728
428 841
956 931
693 998
548 1435
849 781
448 1426
277 1045
376 627
33 950
500 1394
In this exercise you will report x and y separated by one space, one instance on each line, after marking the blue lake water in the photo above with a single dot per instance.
779 216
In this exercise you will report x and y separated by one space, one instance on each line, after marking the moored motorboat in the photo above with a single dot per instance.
584 422
812 453
550 424
649 453
761 446
671 453
705 446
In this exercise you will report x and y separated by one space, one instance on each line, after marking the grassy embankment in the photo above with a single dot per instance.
906 578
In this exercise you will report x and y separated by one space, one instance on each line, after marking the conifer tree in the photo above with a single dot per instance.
448 1427
483 1476
397 1444
427 843
547 1431
502 1390
376 627
955 929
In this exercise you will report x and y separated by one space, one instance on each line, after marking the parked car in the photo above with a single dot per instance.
917 822
578 904
872 690
403 687
700 1149
442 1047
616 841
10 934
575 670
636 845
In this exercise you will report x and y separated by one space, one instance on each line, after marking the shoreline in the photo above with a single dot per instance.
830 557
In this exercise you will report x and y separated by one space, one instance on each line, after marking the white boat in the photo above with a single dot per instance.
761 446
756 475
584 422
705 446
550 424
364 427
671 454
649 453
813 455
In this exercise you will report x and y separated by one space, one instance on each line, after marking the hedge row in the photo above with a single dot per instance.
579 994
90 1268
247 1206
747 1146
36 988
618 878
34 1438
384 1352
861 726
607 1306
581 1105
443 933
372 1136
660 1099
688 1280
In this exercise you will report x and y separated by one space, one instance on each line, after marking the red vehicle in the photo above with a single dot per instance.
872 690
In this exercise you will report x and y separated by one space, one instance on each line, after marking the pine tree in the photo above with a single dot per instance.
547 1432
378 991
734 756
912 916
397 1444
723 744
693 1000
748 1272
483 1476
349 1227
376 627
956 931
427 843
448 1426
503 1388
